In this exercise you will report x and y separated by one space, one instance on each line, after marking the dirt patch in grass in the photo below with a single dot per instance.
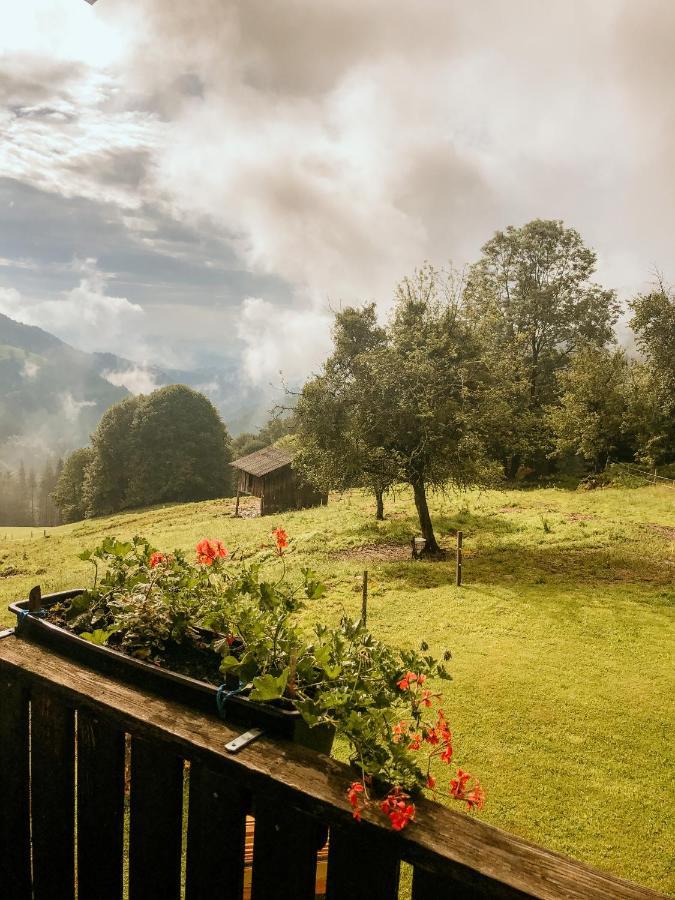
388 553
377 552
580 517
12 571
667 531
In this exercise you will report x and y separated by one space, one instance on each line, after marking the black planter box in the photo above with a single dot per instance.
201 695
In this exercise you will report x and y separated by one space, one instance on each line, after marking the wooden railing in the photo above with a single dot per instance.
64 826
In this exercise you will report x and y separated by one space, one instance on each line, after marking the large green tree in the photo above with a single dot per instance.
170 445
533 301
68 494
276 428
334 452
590 419
409 401
179 449
106 480
653 382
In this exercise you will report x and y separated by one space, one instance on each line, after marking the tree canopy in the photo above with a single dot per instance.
168 446
532 298
405 404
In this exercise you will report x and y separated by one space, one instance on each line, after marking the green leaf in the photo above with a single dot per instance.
269 687
99 635
122 548
78 605
228 663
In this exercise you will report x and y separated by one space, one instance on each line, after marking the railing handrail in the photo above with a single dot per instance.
442 841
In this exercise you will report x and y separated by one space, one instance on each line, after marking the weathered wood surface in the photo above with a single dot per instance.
216 836
359 868
156 821
52 736
455 849
15 870
100 807
285 846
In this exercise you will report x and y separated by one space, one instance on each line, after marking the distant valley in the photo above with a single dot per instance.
53 395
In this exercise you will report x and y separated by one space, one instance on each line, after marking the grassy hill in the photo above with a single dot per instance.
562 640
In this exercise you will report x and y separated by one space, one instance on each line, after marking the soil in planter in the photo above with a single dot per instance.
192 658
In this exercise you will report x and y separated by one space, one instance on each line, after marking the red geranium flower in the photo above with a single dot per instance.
457 785
396 807
415 742
408 679
281 537
474 798
209 551
354 796
156 559
446 755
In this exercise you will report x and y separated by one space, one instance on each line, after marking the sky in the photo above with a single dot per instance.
184 182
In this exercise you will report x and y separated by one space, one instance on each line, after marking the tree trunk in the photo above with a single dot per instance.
379 515
511 466
424 517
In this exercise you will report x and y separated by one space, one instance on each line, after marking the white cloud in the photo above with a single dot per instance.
209 387
136 379
337 145
10 304
30 369
70 407
84 316
281 343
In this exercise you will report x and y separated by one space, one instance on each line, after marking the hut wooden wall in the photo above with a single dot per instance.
280 490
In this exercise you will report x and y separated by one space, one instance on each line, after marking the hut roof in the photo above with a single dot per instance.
264 461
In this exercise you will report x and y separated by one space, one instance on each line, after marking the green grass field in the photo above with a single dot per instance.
563 694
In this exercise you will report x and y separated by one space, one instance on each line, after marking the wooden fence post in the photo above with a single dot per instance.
364 599
458 568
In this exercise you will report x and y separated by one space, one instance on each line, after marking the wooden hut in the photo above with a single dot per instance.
269 475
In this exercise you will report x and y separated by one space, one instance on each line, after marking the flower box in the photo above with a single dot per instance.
271 717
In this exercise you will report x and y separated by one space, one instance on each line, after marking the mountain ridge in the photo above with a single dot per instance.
52 395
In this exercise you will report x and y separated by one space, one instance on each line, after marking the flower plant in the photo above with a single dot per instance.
377 697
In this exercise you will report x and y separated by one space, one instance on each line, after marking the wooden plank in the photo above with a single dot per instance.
216 836
155 831
100 807
468 885
15 866
441 839
360 868
285 847
52 796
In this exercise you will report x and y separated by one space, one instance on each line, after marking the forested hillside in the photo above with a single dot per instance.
51 395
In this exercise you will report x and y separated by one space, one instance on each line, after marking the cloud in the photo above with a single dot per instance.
69 137
29 370
71 408
329 148
136 379
339 147
85 315
281 344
